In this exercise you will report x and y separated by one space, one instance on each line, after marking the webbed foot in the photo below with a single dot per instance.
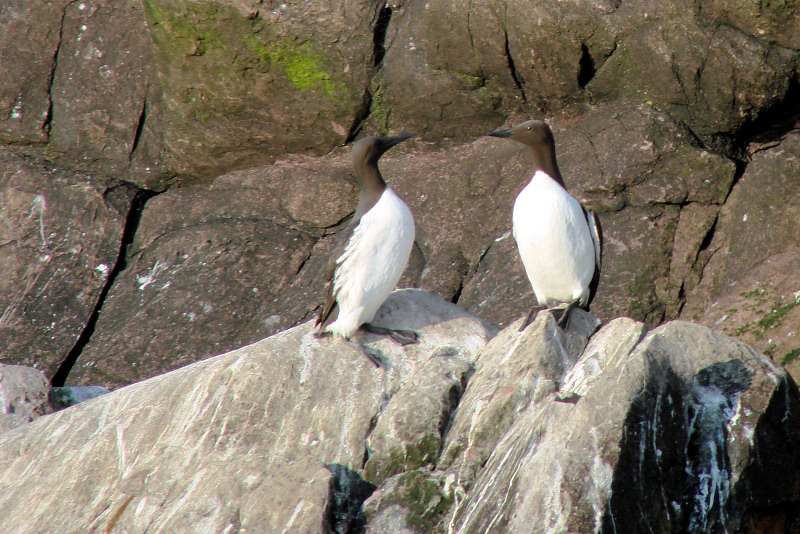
401 337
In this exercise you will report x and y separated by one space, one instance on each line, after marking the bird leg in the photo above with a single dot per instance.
529 317
563 321
401 337
372 355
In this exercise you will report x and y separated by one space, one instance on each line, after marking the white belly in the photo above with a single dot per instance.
554 242
374 260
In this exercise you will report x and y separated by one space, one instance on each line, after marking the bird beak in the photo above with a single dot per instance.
392 141
500 133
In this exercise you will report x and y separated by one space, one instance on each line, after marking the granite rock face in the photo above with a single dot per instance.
237 442
666 430
542 430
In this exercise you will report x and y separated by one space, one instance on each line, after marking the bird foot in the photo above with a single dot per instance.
401 337
563 321
374 356
529 318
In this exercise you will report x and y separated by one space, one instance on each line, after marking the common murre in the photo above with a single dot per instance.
560 242
371 254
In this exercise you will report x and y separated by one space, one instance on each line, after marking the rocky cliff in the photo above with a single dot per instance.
174 174
676 121
601 428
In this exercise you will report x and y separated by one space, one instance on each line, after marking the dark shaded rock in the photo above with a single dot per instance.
28 44
113 126
87 87
462 200
60 236
410 92
347 494
693 67
774 22
195 285
64 397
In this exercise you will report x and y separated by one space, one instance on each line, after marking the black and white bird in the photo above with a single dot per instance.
560 241
372 253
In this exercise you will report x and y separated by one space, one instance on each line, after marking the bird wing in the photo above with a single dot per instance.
330 308
596 231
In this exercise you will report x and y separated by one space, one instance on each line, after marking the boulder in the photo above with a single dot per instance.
239 441
244 82
677 430
23 395
60 237
461 199
540 430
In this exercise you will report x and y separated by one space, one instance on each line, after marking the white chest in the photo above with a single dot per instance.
374 259
554 241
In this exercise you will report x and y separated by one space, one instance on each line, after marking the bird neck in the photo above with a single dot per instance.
369 177
544 158
372 187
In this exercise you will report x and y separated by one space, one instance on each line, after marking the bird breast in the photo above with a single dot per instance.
554 241
375 256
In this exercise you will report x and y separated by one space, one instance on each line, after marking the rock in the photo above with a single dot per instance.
748 289
88 87
461 199
698 85
239 441
516 369
410 429
64 397
31 36
239 239
774 22
244 82
669 434
683 428
408 503
60 236
410 92
23 395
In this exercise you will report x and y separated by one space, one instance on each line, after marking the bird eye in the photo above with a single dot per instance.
528 128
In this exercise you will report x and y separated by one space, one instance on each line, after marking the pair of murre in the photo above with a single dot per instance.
560 242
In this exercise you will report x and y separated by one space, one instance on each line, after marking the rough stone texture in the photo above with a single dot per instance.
678 430
461 199
750 288
516 369
105 93
210 269
410 92
60 235
23 395
28 43
244 82
87 88
235 442
688 406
